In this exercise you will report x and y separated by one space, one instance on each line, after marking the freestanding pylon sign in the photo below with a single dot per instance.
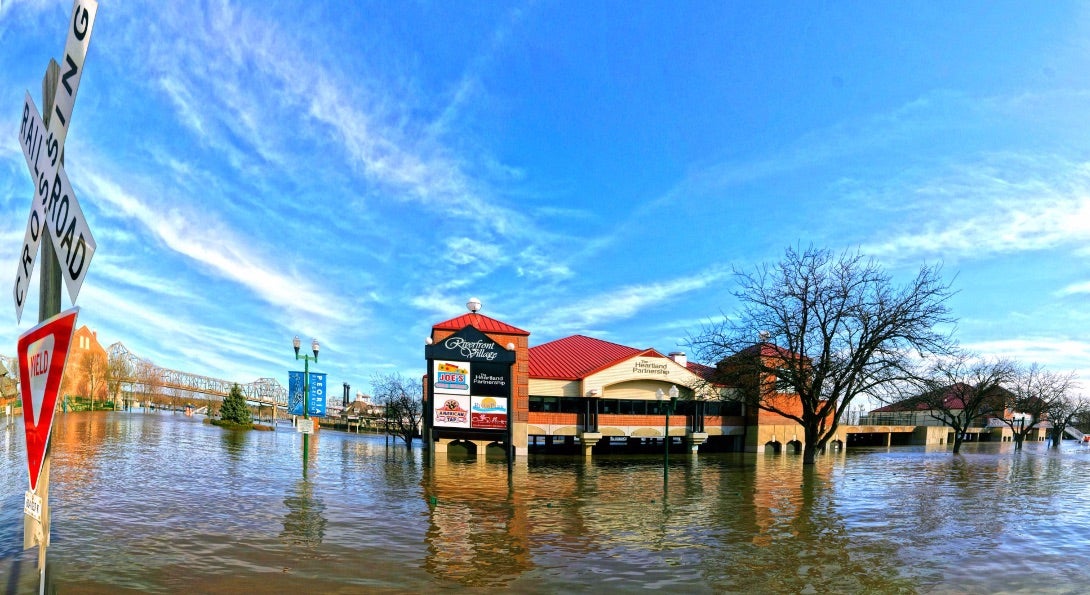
43 351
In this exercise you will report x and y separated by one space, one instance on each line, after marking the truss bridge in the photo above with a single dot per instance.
141 376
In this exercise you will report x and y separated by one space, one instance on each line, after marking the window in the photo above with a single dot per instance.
723 408
571 405
781 383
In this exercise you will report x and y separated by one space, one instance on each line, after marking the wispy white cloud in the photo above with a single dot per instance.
462 250
540 265
113 270
243 70
1005 204
211 244
192 347
1075 288
622 303
1060 354
185 105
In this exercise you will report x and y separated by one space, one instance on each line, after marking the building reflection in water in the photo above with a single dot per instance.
477 530
74 444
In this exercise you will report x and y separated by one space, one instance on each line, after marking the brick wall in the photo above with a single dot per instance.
554 418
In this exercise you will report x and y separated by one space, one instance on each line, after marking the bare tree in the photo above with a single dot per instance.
831 328
961 391
1033 392
149 377
1065 413
9 378
118 370
176 398
92 367
402 399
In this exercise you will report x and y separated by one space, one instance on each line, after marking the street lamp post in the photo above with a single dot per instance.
306 388
669 405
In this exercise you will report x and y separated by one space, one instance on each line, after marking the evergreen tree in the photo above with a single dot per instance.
234 408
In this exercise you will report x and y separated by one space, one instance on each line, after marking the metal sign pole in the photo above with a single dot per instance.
49 305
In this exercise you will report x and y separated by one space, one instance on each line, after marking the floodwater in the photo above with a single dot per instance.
163 503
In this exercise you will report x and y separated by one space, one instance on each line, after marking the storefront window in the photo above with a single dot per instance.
557 404
547 404
571 405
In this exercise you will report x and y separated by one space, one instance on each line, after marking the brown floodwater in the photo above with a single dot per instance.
163 503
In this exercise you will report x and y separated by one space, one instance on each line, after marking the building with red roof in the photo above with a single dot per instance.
926 412
585 394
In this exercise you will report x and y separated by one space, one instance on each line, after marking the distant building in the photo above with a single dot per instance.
85 369
363 407
919 411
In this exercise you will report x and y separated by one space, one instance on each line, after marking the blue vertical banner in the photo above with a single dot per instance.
315 399
317 396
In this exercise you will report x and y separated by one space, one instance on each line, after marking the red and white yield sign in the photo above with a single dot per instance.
43 351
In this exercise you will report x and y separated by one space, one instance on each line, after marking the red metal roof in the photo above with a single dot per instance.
705 372
480 322
577 356
952 398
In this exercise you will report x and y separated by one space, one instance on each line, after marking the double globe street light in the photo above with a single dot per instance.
669 407
306 389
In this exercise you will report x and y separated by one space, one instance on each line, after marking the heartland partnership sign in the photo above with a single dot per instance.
54 206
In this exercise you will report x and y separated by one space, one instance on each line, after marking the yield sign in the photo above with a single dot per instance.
42 354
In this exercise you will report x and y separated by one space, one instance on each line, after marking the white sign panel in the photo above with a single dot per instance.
451 377
32 505
75 53
304 426
53 193
58 210
451 411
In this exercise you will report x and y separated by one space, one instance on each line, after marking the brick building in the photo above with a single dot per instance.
581 394
86 366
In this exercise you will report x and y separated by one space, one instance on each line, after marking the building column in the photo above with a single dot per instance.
587 440
695 439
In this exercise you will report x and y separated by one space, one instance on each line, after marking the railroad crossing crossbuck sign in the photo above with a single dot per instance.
54 206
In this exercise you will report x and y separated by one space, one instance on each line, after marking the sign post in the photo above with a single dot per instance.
54 212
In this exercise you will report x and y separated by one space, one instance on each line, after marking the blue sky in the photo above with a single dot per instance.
356 171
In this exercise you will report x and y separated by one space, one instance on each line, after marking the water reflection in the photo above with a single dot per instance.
477 529
162 503
234 442
304 524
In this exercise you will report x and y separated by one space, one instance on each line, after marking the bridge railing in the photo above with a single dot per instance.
908 418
